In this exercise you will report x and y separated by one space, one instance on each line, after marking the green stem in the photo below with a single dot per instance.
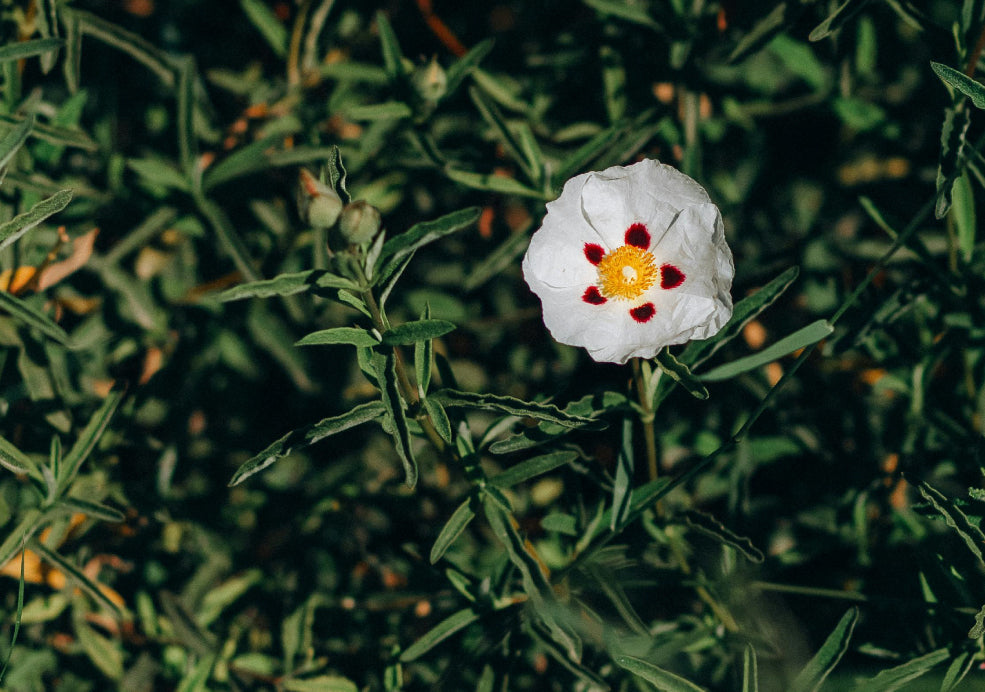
647 418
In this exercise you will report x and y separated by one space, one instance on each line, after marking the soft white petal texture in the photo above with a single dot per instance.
686 231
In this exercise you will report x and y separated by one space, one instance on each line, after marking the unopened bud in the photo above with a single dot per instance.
360 222
430 81
318 204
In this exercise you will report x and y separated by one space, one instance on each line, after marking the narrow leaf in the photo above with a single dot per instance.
744 312
531 468
963 210
452 529
75 574
229 238
663 680
104 653
263 18
27 49
287 285
388 110
504 404
307 436
14 139
958 669
138 48
953 132
439 418
585 154
750 670
493 183
319 683
779 18
386 377
963 83
187 143
439 633
420 234
710 526
820 666
491 114
464 65
392 55
631 12
19 535
11 231
836 19
89 437
622 488
414 332
806 336
898 676
423 358
681 374
16 461
339 335
970 533
29 315
93 509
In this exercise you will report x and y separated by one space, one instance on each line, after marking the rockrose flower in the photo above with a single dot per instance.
629 260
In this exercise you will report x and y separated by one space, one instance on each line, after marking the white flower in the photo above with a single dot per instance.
629 260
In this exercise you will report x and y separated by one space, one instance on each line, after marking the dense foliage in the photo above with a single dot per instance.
248 443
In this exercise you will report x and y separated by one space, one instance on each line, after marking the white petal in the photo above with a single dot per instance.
572 321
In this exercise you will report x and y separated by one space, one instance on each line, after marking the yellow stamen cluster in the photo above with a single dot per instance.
627 272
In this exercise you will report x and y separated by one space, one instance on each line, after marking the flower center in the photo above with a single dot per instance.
627 272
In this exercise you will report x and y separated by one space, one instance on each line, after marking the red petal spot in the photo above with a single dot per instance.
638 236
643 313
670 276
592 296
594 253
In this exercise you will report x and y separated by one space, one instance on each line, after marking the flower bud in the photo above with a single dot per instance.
360 222
318 204
430 81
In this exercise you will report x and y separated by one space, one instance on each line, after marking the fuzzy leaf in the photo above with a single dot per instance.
93 509
309 435
963 83
750 670
286 285
339 335
70 570
386 378
505 404
531 468
89 437
492 183
452 529
11 231
26 49
399 247
417 331
663 680
836 19
953 133
15 139
267 23
710 526
896 677
970 533
681 374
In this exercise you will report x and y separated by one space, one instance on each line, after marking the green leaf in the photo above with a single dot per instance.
159 172
750 670
339 335
18 536
386 377
287 285
229 238
953 133
979 629
17 619
393 57
247 160
130 43
319 683
263 18
74 573
663 680
622 488
89 437
336 173
820 666
452 529
710 526
444 629
72 64
104 653
837 19
464 65
48 24
16 461
963 83
585 154
195 679
309 435
14 229
531 468
399 247
744 312
970 533
93 509
439 418
681 374
779 18
963 211
414 332
490 113
388 110
801 338
424 357
560 523
897 676
29 315
630 12
15 139
958 669
55 134
221 596
451 398
187 143
493 183
27 49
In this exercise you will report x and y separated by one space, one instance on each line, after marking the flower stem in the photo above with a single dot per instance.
647 418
